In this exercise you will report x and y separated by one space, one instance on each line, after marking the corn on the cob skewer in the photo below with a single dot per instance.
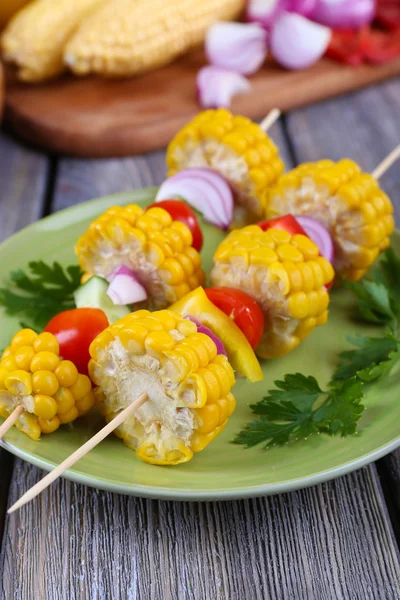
387 162
287 277
78 454
235 147
128 37
11 420
158 249
34 40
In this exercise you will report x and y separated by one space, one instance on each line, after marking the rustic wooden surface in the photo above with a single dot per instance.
95 117
335 541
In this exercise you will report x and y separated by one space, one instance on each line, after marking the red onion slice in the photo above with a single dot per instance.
319 235
344 13
265 12
303 7
205 190
237 47
216 86
124 287
296 42
207 331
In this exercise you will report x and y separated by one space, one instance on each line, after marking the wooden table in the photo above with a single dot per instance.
334 541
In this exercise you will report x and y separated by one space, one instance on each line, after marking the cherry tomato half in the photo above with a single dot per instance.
75 330
180 211
286 223
242 309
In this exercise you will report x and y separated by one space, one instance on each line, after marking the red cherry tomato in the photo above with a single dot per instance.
286 223
75 330
180 211
242 309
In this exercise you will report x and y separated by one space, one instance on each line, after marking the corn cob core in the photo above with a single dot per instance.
158 249
287 277
34 39
128 37
357 213
50 389
235 147
188 384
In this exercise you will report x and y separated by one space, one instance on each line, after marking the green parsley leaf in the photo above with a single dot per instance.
373 301
390 269
367 358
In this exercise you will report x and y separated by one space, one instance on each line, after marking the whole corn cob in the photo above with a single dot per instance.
188 384
287 277
34 39
235 147
158 249
127 37
50 389
349 203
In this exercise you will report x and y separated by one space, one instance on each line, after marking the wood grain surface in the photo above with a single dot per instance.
331 542
1 91
98 118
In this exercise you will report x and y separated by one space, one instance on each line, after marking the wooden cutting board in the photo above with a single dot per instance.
99 118
1 91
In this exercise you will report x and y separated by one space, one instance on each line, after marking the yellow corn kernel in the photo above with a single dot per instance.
307 275
160 214
65 400
298 305
211 383
44 360
9 363
19 383
46 342
23 356
3 374
7 352
159 341
69 416
49 425
25 337
306 246
277 274
262 256
185 349
44 406
208 417
289 252
183 231
44 382
86 403
29 424
82 387
278 236
171 271
327 269
66 373
186 327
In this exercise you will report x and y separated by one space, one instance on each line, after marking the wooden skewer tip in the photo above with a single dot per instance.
10 421
387 162
270 119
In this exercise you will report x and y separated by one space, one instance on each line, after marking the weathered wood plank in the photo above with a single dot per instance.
22 192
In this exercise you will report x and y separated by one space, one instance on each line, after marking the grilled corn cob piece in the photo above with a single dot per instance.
235 147
50 389
188 384
127 37
35 38
287 277
357 213
158 249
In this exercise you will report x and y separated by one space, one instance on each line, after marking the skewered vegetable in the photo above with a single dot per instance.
287 277
187 382
157 249
128 37
235 147
349 203
50 389
34 39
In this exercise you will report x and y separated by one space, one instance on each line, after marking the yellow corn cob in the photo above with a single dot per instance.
287 277
357 213
35 38
158 249
188 384
127 37
235 147
50 389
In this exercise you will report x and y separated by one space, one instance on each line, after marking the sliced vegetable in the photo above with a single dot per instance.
242 309
239 47
124 287
319 235
216 87
75 330
345 46
287 223
388 13
207 331
344 13
180 211
93 294
265 12
205 190
296 42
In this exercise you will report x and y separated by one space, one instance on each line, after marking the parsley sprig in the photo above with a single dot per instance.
40 292
298 407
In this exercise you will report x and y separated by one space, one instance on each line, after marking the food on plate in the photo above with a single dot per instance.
349 203
237 149
34 39
156 249
284 272
51 389
127 37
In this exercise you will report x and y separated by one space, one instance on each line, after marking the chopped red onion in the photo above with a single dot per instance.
124 287
344 13
216 86
207 331
266 12
319 235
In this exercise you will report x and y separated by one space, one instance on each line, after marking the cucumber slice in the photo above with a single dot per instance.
93 294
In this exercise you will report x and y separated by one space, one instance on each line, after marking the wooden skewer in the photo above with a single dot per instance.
10 421
270 119
386 163
78 454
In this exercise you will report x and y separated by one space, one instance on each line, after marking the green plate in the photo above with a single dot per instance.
222 470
